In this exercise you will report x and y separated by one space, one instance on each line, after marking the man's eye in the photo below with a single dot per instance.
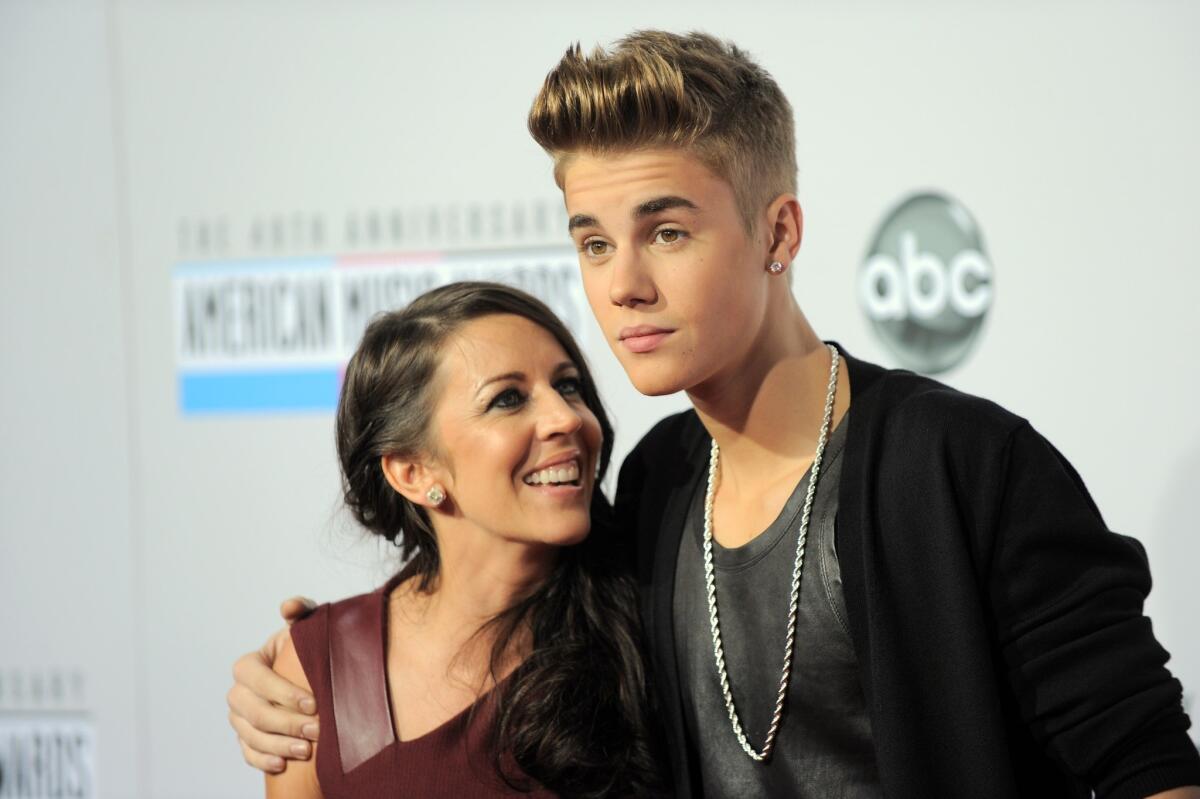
669 235
509 398
595 247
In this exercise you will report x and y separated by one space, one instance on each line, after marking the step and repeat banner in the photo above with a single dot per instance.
207 203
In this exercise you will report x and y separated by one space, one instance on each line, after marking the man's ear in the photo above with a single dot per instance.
410 478
785 225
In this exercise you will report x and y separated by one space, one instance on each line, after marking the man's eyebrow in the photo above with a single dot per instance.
663 204
581 220
645 209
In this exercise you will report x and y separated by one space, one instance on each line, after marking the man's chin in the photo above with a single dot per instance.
654 383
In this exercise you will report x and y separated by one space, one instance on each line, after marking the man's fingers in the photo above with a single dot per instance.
296 608
268 718
253 673
271 764
264 746
263 750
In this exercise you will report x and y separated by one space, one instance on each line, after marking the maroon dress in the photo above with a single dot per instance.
343 650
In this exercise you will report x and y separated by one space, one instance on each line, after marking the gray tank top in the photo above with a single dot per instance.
824 747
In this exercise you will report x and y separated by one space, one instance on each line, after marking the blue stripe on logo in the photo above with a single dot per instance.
275 390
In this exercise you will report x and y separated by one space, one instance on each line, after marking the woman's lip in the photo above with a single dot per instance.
564 457
560 490
645 342
563 495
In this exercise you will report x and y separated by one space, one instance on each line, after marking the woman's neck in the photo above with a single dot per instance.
479 578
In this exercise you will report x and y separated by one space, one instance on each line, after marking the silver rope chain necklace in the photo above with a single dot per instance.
714 459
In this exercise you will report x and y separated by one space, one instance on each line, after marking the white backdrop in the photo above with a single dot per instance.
142 548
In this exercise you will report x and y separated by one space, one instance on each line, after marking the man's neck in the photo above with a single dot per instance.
766 412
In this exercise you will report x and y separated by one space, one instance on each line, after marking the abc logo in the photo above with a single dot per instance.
926 284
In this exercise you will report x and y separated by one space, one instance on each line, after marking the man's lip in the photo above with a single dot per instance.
641 330
562 457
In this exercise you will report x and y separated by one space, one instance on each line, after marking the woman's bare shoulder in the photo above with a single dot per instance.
299 779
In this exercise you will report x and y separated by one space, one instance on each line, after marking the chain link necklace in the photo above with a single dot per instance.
714 459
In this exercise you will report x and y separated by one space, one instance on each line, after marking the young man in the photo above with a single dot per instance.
855 582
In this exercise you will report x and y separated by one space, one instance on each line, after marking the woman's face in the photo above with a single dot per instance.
515 446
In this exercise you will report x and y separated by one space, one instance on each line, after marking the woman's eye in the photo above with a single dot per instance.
509 398
569 386
669 235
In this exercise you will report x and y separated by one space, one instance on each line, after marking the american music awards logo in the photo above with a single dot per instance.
271 333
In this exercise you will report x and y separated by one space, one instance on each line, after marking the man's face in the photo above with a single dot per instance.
675 282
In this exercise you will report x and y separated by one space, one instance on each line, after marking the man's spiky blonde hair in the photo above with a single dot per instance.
687 91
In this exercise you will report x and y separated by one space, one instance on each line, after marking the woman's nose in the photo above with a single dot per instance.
557 416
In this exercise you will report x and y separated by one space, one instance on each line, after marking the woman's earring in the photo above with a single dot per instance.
776 268
435 495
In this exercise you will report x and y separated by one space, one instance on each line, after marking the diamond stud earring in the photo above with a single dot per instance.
436 495
776 268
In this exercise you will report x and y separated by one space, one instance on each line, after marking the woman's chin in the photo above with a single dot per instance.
568 535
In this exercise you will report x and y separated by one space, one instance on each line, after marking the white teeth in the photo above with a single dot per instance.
566 473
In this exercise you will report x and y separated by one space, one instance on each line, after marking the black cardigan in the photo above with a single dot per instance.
997 622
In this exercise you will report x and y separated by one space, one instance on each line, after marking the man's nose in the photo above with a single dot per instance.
629 283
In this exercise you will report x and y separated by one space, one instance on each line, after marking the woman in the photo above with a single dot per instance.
503 658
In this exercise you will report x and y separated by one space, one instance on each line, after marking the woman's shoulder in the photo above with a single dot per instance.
342 649
355 622
300 777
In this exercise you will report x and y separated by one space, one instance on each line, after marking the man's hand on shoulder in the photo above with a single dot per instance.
274 718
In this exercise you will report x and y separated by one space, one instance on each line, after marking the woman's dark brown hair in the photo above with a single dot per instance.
574 715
